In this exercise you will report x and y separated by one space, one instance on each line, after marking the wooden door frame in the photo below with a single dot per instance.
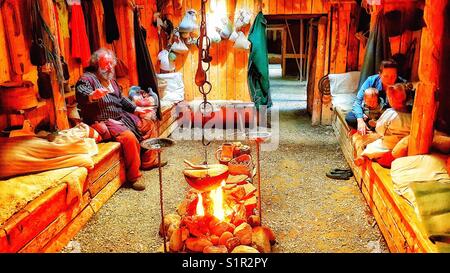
282 28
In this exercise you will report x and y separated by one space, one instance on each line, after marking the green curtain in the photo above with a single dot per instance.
258 64
378 48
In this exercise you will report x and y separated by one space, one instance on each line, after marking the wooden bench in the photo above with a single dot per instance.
396 219
49 222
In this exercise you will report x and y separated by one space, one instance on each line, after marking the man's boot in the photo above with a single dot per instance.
139 185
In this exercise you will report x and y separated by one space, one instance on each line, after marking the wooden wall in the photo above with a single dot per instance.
287 7
46 111
228 71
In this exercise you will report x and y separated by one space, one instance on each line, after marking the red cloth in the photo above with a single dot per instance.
80 41
386 160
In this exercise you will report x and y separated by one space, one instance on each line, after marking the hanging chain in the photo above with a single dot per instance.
204 86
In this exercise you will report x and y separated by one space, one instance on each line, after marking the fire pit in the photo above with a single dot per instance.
220 219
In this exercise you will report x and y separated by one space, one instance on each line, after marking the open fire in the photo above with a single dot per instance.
222 220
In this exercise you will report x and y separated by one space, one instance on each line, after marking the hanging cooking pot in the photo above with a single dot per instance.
205 177
15 96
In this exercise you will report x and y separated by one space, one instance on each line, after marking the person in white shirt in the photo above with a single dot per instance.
392 126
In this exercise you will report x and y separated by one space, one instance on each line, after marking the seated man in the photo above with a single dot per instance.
393 125
381 81
112 115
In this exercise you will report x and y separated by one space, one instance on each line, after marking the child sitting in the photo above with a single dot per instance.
373 107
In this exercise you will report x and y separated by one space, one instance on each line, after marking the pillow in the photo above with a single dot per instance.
173 90
344 101
24 155
344 83
441 142
401 148
418 168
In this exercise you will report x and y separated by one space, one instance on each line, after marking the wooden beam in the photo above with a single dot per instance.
302 48
321 42
310 49
425 104
57 87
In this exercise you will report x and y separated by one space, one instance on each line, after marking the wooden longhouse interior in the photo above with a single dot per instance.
224 126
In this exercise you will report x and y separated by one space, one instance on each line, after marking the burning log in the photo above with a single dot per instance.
237 179
250 205
244 249
197 244
238 193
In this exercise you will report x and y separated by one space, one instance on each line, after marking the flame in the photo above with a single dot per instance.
200 210
217 199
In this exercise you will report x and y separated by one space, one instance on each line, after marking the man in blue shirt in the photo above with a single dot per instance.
387 76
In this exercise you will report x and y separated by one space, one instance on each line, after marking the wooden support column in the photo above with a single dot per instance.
131 47
425 104
320 59
58 89
302 48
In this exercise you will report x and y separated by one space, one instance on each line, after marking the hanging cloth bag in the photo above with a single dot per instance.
189 22
242 42
178 45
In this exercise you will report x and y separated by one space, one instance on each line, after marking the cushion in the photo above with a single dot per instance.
172 86
401 148
24 155
344 101
419 168
441 142
344 83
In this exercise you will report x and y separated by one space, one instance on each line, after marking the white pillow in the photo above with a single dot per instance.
344 101
418 168
344 83
173 90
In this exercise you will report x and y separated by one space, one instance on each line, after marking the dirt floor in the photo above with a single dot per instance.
307 211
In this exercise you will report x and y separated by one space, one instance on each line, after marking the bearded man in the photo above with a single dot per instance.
114 116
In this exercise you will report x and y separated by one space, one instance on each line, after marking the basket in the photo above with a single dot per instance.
15 96
241 165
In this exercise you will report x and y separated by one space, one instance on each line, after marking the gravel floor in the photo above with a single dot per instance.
307 211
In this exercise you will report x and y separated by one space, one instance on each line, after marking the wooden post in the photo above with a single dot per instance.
58 88
131 47
283 52
320 57
302 48
310 49
425 104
